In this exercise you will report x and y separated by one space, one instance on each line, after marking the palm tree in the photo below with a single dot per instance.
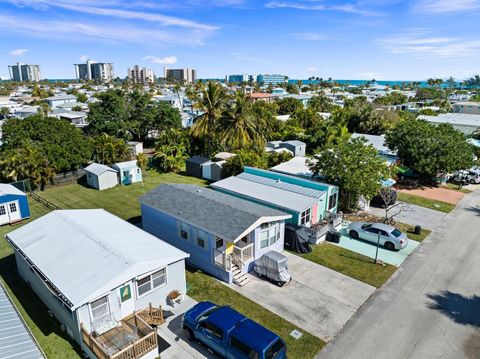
142 161
211 103
109 150
237 127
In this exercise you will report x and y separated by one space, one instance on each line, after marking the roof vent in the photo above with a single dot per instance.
198 191
278 180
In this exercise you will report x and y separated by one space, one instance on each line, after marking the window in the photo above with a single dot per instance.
99 307
184 230
125 173
13 207
269 234
332 201
212 329
218 243
243 348
202 238
396 233
305 217
274 349
152 281
2 210
138 170
372 230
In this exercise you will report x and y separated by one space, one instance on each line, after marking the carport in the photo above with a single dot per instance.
368 249
318 300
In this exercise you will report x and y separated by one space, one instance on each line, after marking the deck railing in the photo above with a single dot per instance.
135 350
222 259
242 254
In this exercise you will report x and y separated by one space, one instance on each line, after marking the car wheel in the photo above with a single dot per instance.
353 234
280 284
190 335
472 181
389 246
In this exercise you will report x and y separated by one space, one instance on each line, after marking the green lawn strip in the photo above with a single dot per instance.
408 229
352 264
121 201
205 288
425 202
454 187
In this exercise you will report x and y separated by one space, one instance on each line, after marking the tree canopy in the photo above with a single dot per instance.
429 149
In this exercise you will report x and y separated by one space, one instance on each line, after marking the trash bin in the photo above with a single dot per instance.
418 230
333 236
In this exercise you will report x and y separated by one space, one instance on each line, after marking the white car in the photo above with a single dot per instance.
388 236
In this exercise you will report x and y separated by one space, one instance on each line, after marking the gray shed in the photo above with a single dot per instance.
194 165
101 177
297 147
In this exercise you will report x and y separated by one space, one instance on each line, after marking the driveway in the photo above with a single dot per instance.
413 215
369 249
430 308
318 300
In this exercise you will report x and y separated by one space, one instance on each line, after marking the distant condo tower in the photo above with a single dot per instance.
181 75
268 79
21 72
140 75
91 70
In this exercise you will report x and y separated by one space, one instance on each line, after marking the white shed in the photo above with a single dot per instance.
101 177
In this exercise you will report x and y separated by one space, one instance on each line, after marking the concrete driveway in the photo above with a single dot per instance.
431 306
318 300
369 249
414 215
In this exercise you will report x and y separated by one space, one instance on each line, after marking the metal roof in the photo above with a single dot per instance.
274 196
9 189
296 166
278 183
126 164
16 340
377 141
218 213
459 119
98 169
86 253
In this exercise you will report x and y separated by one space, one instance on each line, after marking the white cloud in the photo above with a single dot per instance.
420 44
167 60
310 36
447 6
312 69
84 58
318 5
18 52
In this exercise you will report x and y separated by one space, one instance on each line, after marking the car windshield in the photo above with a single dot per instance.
205 314
274 350
396 232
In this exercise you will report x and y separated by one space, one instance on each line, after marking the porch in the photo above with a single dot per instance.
131 338
318 231
241 254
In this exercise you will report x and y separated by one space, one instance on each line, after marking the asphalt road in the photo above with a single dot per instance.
431 307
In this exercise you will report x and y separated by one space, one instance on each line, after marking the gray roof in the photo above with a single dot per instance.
220 214
277 183
198 159
62 97
377 141
16 340
266 194
295 143
87 253
459 119
98 169
9 189
297 166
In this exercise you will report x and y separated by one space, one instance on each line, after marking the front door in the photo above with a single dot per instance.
4 217
13 211
127 303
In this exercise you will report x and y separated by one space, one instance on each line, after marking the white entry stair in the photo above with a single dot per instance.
239 278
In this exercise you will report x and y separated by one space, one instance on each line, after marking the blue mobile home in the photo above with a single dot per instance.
223 234
128 172
13 204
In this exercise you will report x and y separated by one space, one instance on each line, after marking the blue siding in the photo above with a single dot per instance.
165 227
22 202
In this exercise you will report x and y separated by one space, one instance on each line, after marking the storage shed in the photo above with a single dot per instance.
194 165
13 204
128 172
101 177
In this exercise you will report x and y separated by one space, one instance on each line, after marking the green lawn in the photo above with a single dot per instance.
408 229
350 263
122 201
454 187
425 202
203 287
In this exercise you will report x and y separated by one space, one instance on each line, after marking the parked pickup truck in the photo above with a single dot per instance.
230 334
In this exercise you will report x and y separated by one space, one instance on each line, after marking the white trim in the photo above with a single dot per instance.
152 288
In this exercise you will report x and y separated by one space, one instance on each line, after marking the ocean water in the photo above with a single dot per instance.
363 82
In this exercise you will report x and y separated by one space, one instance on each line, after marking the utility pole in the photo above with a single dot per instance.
378 245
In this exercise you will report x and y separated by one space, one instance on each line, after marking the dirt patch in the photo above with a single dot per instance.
437 194
471 346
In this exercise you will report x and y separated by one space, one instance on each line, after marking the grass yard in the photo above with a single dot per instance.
425 202
203 287
454 187
353 264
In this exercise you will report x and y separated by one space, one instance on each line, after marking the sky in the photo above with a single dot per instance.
357 39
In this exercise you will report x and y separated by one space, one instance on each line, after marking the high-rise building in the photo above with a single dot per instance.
181 75
91 70
240 78
267 79
21 72
140 75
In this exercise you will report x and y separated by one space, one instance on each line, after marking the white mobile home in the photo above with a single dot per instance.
97 273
